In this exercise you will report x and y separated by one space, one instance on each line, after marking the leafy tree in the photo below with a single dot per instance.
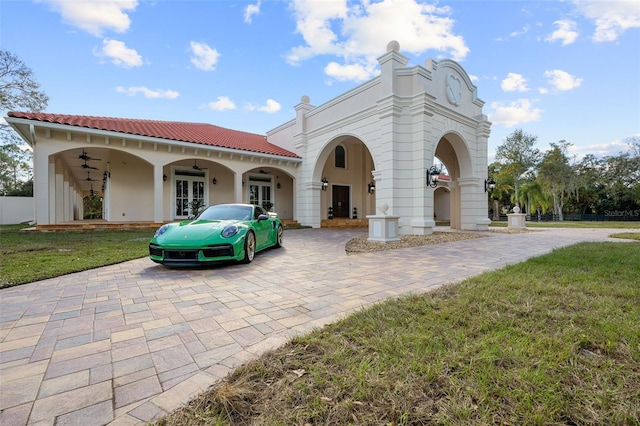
500 194
18 90
15 166
556 175
18 87
589 184
534 198
519 156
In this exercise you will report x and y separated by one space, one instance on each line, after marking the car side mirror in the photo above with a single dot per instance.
263 217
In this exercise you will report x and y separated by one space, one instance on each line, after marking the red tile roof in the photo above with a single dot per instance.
198 133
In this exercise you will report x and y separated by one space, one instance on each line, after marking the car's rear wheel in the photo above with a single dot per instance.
279 237
249 247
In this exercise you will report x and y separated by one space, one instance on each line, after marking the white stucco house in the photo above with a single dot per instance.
372 145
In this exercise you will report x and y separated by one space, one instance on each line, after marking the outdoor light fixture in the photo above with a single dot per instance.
325 184
372 187
278 185
489 185
214 181
164 178
432 176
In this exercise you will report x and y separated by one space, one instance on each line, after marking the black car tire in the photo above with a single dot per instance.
249 247
279 236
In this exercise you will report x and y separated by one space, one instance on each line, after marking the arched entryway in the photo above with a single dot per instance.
453 152
347 187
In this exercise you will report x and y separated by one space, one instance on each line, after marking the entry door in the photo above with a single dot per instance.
260 192
187 191
340 201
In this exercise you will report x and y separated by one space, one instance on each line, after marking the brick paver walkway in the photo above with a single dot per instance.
128 343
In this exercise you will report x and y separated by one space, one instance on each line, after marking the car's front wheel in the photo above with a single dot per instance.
249 248
279 237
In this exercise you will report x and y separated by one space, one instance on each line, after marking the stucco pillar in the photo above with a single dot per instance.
58 193
43 173
237 188
473 205
66 195
158 193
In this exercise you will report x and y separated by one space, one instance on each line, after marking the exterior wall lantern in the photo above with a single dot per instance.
214 181
371 187
433 174
325 184
164 178
489 185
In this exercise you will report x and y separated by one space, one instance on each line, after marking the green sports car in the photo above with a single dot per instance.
220 233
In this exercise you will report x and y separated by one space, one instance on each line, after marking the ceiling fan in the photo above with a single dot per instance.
84 156
196 167
88 179
86 166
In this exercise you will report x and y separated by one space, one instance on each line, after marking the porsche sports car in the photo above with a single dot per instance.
221 232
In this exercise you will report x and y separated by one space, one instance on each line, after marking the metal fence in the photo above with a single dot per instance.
575 217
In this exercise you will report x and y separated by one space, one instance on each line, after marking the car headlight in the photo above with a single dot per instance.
229 231
161 231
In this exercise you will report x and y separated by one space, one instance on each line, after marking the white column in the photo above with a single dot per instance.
43 173
238 189
473 204
158 194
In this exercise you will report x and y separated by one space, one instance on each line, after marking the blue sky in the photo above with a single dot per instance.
559 70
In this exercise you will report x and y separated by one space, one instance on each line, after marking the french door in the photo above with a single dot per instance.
189 194
260 192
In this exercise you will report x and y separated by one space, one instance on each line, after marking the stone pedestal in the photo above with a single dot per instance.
516 220
383 228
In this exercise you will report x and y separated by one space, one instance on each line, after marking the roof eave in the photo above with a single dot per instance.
14 121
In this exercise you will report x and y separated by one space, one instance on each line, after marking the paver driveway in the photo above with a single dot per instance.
127 343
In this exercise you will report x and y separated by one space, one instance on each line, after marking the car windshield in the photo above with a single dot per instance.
226 212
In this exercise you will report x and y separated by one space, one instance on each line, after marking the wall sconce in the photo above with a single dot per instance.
489 185
433 175
371 187
278 185
164 178
325 184
214 181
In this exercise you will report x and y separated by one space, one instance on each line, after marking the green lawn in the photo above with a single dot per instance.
551 341
28 257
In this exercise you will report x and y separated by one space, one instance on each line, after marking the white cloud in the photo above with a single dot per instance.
514 83
611 18
359 33
119 54
250 10
566 32
269 107
204 57
562 80
222 103
352 72
514 113
514 34
95 17
148 93
611 148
